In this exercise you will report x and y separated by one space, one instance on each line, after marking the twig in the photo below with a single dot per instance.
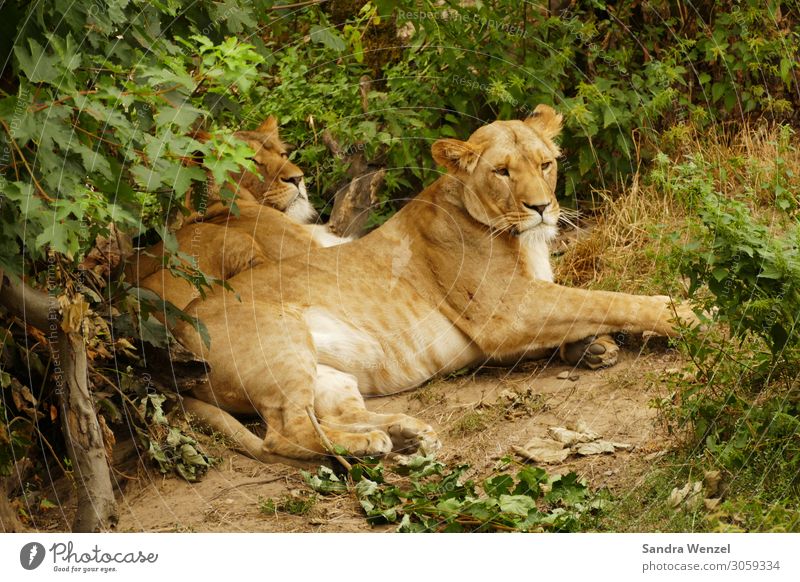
25 161
326 442
297 5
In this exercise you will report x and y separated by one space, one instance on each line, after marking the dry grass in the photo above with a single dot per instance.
626 249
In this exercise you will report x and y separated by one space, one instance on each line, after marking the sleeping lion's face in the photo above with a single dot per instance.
279 182
509 169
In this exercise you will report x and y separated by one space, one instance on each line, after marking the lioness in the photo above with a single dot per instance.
223 243
460 275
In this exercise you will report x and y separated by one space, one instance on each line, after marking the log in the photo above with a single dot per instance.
97 508
353 202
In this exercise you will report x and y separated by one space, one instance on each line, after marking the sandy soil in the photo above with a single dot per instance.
478 417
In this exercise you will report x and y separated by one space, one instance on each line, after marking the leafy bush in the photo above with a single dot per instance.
424 495
742 400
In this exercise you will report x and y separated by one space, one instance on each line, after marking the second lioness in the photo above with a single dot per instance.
270 222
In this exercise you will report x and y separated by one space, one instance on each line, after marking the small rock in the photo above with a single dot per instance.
622 446
568 375
541 450
581 426
570 437
595 448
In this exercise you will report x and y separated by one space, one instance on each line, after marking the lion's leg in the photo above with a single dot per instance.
340 405
592 352
217 420
551 315
274 374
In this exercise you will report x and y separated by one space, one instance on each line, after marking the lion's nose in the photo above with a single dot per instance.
540 208
293 180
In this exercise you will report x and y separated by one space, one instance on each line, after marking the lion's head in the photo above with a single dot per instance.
279 182
508 170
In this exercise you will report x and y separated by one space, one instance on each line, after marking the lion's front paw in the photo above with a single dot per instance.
592 352
375 443
686 315
410 435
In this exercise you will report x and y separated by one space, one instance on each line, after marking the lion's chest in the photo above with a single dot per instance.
536 255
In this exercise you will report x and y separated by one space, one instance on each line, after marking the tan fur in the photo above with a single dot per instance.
453 279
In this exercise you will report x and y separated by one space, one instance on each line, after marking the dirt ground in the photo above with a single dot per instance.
479 416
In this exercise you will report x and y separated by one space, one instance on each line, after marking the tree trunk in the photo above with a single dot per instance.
97 509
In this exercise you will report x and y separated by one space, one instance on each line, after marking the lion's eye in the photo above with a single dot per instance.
501 171
546 166
285 156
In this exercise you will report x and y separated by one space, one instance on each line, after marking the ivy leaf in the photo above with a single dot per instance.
183 115
180 177
499 485
147 178
325 481
328 37
38 66
516 504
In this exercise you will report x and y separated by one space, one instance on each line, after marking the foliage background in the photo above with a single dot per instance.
98 102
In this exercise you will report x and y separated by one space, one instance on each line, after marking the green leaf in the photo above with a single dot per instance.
37 66
517 504
183 116
180 177
147 178
498 485
190 456
324 481
328 37
717 90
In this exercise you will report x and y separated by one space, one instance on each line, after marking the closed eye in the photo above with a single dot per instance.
501 171
285 156
546 166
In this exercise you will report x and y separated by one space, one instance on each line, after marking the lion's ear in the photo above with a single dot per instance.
455 155
270 125
546 121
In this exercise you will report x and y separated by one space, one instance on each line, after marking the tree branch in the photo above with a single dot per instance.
97 508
